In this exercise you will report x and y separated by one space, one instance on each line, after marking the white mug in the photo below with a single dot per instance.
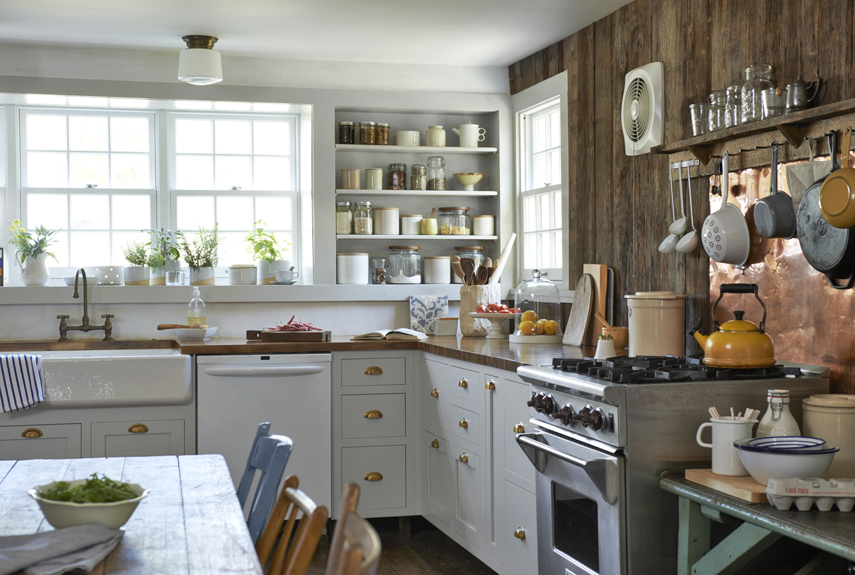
725 458
287 275
408 138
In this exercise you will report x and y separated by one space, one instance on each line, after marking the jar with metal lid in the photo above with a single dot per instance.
454 221
758 77
367 132
363 219
381 137
405 265
731 106
346 133
343 218
378 270
418 177
397 176
435 173
475 253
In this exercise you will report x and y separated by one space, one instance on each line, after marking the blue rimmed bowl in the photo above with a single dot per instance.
805 462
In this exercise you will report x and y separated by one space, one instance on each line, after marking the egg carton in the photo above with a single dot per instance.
824 493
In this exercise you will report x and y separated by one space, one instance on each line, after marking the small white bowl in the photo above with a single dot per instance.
110 275
763 465
195 334
468 179
90 281
62 514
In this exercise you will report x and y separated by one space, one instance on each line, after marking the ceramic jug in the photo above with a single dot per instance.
470 135
35 271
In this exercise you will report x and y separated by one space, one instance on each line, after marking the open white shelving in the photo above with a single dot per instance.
443 150
458 238
419 193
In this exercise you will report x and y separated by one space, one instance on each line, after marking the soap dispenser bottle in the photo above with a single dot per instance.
196 311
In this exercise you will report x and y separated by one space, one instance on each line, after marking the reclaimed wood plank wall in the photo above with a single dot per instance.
619 205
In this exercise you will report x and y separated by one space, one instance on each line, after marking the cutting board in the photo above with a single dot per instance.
601 282
744 487
580 313
288 336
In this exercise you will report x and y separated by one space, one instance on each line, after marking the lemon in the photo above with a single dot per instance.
528 315
527 327
551 327
539 327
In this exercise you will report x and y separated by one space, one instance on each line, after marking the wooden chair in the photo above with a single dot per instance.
355 548
292 557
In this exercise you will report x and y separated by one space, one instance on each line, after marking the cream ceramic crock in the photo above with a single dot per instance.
832 418
656 321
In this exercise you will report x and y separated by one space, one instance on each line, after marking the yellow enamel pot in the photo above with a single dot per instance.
837 195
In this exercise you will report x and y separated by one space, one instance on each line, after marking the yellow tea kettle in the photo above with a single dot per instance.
737 344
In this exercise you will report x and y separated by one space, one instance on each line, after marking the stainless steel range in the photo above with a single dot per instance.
605 430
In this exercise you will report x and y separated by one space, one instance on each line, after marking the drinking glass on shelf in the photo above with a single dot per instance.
175 278
698 113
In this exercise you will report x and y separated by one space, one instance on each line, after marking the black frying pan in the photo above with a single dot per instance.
829 250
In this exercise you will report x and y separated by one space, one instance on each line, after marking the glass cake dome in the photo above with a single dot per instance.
539 320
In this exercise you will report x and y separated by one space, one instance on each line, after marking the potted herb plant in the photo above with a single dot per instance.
200 254
32 252
264 248
137 273
163 254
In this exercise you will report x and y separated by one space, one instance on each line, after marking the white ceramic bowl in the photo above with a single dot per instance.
110 275
91 281
65 514
785 443
468 179
763 465
195 334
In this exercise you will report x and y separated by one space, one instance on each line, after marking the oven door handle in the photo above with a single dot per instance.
602 472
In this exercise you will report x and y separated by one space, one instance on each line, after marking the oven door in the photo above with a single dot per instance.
581 524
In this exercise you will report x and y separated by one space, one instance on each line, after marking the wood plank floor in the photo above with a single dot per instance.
427 552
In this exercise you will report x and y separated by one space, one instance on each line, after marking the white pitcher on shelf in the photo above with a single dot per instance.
34 271
470 134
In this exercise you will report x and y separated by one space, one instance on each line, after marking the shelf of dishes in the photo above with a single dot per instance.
423 193
374 136
403 265
420 237
361 219
414 149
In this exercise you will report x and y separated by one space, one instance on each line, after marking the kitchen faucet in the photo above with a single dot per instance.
64 327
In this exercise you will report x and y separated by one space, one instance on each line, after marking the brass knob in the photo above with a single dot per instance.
491 385
373 414
463 423
520 533
435 444
373 476
63 316
518 428
373 370
463 383
32 432
138 428
463 458
434 393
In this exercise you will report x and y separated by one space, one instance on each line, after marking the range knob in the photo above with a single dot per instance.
535 399
566 414
542 403
592 418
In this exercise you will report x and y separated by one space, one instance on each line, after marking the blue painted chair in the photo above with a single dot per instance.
269 454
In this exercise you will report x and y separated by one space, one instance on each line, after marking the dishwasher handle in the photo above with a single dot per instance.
263 371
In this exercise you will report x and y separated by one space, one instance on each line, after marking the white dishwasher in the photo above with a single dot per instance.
291 391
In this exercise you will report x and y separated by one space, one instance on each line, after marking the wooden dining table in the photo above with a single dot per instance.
190 523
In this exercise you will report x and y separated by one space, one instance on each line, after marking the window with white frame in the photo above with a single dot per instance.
231 171
90 173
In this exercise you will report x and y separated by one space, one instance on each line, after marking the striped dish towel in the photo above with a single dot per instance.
20 382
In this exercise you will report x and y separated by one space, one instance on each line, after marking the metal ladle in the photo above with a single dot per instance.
689 242
669 244
680 225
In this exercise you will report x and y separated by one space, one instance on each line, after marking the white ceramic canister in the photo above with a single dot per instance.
374 178
407 138
656 323
351 179
351 268
436 269
435 136
483 225
411 224
243 275
386 222
832 418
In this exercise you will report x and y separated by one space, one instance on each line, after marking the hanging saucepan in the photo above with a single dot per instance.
829 250
837 195
725 233
774 215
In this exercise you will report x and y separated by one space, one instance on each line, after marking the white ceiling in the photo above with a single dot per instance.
445 32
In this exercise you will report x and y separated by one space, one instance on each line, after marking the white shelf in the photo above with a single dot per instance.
424 193
457 237
443 150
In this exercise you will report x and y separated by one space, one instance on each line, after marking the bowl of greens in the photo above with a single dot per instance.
93 500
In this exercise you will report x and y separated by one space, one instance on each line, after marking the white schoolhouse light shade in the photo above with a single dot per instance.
200 64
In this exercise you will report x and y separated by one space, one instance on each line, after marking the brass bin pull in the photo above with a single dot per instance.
491 385
373 370
463 458
373 476
463 423
463 383
434 393
138 428
435 444
32 432
518 428
373 414
520 533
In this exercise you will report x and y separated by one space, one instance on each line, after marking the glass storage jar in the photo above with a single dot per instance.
454 221
346 133
363 219
378 270
698 114
367 132
758 77
731 106
405 265
343 218
435 173
397 176
418 177
381 136
715 111
475 253
539 303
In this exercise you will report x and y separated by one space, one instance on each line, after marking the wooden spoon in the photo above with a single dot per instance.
164 326
458 269
481 276
468 265
487 263
603 321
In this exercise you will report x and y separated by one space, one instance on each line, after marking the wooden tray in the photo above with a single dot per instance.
292 336
744 488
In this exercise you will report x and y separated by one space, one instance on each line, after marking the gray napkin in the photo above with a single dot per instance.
59 551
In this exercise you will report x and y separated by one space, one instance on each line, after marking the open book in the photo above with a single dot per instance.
400 333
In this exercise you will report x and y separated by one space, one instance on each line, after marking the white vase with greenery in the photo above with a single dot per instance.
264 248
32 252
201 255
136 274
163 255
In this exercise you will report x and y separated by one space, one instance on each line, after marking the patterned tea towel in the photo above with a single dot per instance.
424 311
20 382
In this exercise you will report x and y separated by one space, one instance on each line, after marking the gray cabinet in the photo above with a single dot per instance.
437 484
137 438
468 519
41 441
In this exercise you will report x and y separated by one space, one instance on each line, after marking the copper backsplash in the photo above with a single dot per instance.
809 321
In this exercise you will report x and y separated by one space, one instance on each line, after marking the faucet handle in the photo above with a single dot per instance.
107 315
63 316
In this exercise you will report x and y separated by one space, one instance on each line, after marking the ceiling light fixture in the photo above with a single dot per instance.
200 64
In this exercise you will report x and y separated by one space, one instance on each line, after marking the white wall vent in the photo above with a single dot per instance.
641 111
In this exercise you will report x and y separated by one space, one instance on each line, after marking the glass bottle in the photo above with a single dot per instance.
418 177
405 265
363 219
777 420
435 173
731 106
758 77
196 311
454 221
378 270
343 218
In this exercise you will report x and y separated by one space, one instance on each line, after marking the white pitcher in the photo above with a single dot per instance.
34 272
470 135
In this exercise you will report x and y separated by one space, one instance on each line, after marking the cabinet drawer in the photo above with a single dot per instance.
374 415
381 473
467 496
435 394
467 424
466 384
61 441
516 413
374 371
137 438
517 537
